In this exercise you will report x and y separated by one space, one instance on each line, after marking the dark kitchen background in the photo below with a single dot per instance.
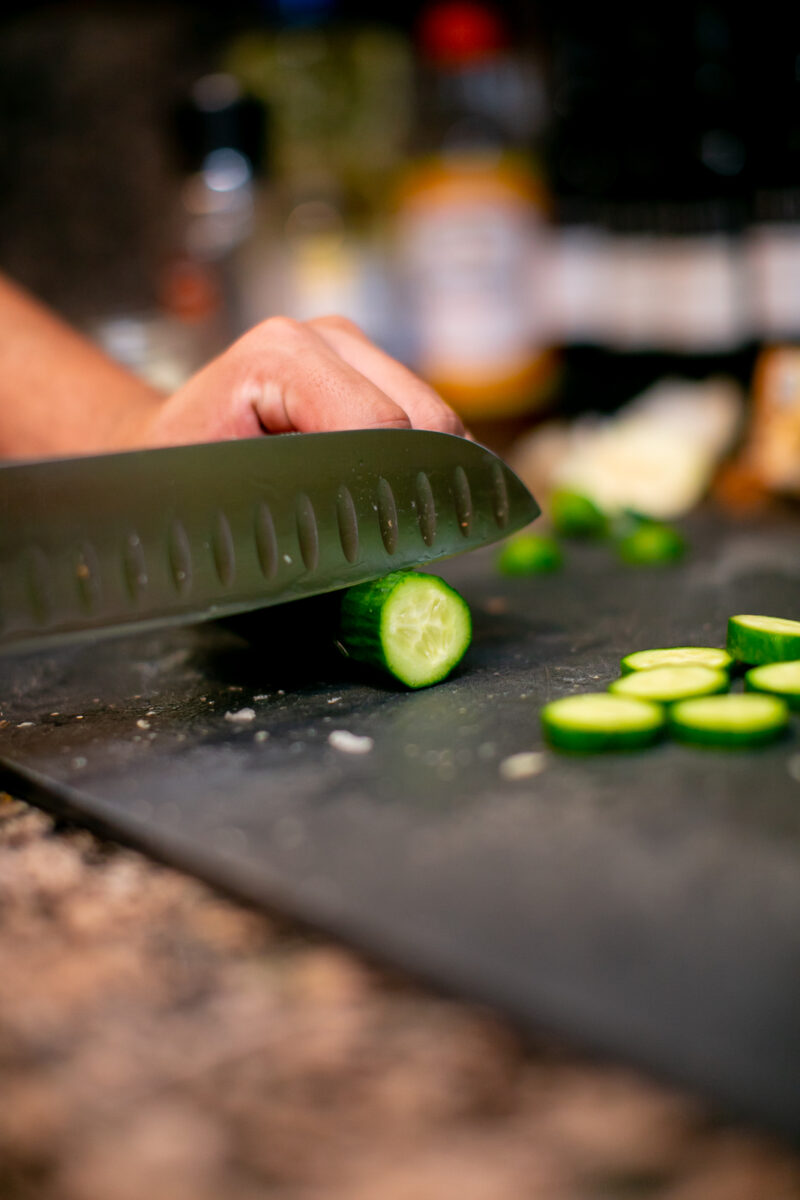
545 209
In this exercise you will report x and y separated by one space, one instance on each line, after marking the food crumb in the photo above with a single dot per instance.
242 716
25 724
496 604
142 724
261 736
334 699
350 743
262 696
522 766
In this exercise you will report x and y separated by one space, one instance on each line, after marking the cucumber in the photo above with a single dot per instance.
758 640
576 516
529 554
415 627
598 721
676 656
779 679
651 544
666 685
729 721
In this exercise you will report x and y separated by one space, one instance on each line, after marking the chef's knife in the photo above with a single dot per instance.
153 537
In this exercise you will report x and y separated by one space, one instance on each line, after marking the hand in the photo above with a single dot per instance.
288 376
59 394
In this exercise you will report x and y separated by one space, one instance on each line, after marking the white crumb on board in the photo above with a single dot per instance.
25 724
142 724
350 743
261 736
522 766
241 716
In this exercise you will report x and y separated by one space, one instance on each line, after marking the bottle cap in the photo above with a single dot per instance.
461 31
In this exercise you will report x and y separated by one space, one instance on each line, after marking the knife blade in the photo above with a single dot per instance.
108 543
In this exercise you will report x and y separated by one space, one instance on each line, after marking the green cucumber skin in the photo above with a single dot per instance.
652 544
724 739
360 618
596 741
756 647
530 554
791 699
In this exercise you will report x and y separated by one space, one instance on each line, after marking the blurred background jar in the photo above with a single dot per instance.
473 210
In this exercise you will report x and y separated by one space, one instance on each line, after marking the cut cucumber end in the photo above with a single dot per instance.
413 626
668 684
729 721
677 656
598 721
776 679
426 628
758 639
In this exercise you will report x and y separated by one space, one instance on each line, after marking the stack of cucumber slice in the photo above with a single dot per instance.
684 691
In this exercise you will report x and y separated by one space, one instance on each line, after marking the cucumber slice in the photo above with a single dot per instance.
598 721
677 656
729 721
415 627
759 640
576 516
529 554
666 685
651 544
779 679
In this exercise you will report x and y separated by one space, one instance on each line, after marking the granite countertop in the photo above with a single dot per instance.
157 1039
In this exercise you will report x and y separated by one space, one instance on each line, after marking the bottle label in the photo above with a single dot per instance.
774 263
469 251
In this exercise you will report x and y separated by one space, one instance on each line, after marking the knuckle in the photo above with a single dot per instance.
281 329
337 322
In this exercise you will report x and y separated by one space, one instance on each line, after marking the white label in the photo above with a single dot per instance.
469 267
773 256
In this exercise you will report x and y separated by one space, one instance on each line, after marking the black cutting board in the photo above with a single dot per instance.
646 904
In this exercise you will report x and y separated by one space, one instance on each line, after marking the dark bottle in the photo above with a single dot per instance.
650 174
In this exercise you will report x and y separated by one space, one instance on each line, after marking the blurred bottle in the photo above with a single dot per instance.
218 143
769 462
472 227
223 147
774 245
650 168
338 96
